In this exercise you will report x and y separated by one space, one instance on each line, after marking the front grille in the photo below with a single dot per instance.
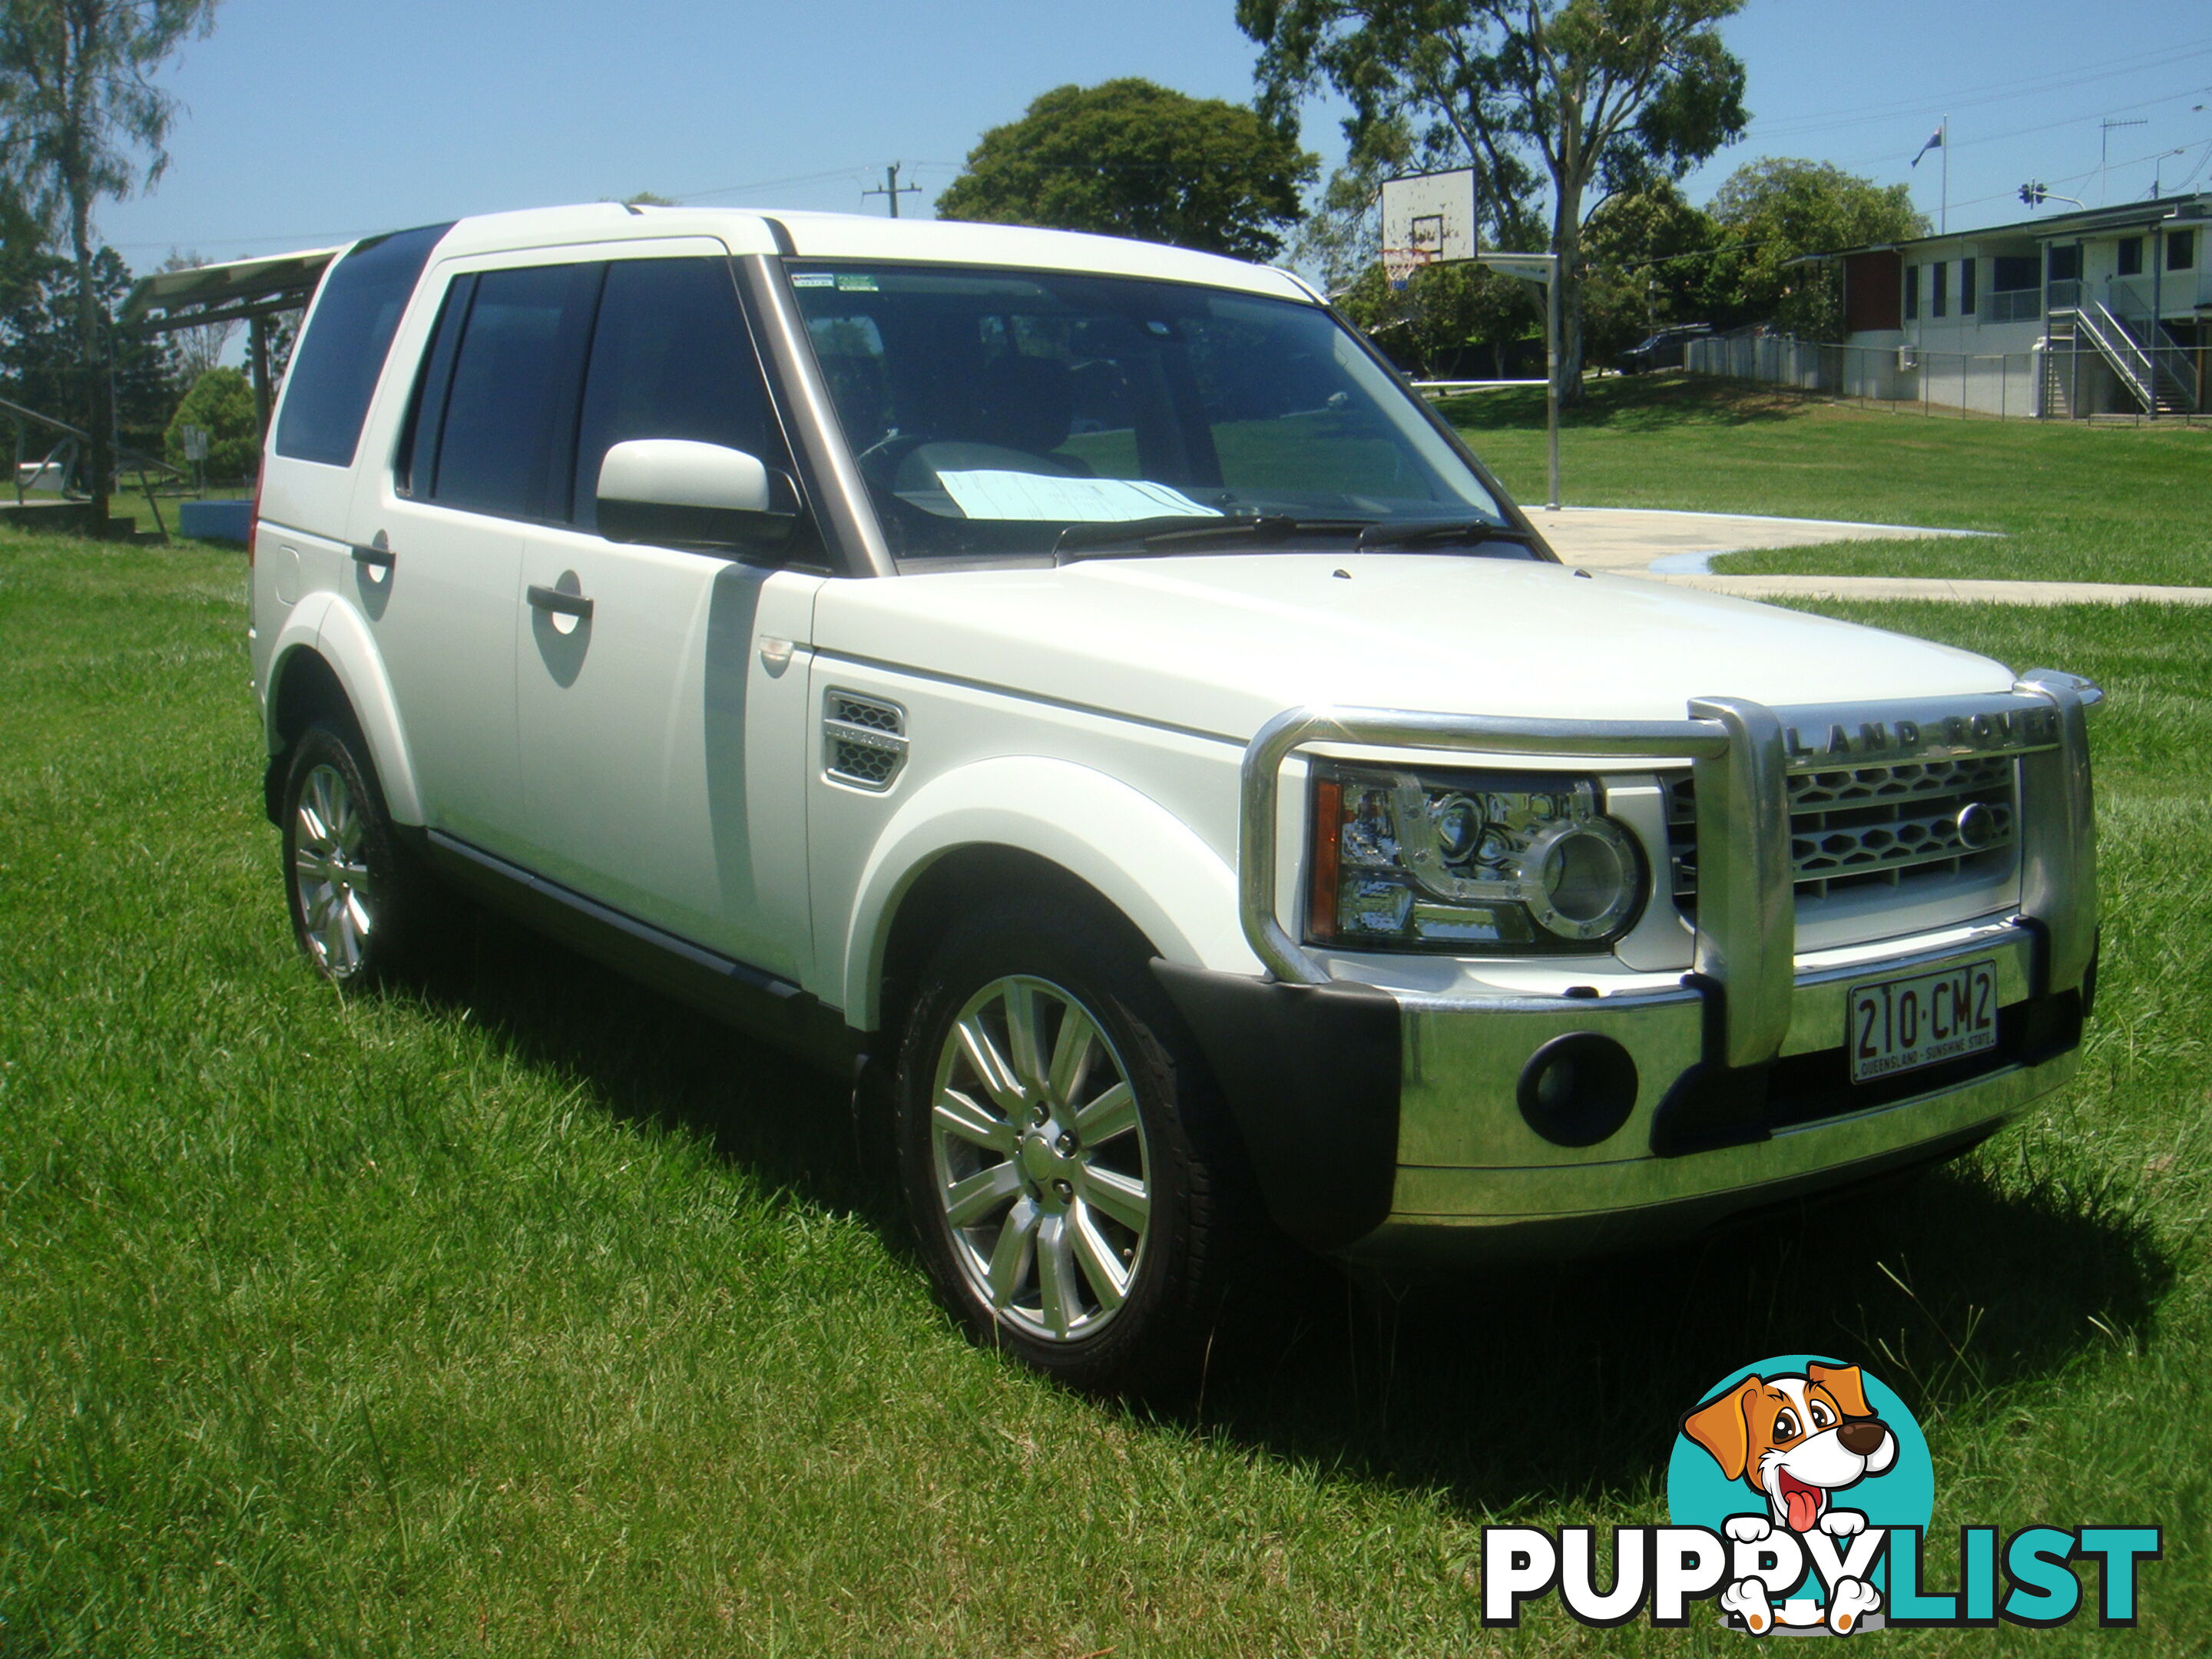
1918 824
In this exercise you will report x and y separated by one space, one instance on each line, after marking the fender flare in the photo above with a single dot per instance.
324 623
1175 888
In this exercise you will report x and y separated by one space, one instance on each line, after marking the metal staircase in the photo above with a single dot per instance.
2151 366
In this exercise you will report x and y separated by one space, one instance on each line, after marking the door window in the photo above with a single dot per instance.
512 391
671 358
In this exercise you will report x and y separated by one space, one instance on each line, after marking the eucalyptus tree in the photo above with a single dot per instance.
1605 95
83 120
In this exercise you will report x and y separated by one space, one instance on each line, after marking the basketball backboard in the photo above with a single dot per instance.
1428 218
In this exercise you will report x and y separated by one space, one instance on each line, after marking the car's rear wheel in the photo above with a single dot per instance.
1061 1150
357 901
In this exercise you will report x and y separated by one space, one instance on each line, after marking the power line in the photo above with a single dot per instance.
1991 93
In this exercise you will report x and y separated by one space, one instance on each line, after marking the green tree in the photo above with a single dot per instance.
1443 316
40 365
1128 158
81 108
1651 259
221 405
1777 211
1607 95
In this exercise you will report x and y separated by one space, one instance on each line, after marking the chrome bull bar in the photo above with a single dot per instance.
1745 941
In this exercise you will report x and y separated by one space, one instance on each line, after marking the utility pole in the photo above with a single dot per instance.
892 188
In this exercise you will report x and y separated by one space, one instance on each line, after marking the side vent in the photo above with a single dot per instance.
863 739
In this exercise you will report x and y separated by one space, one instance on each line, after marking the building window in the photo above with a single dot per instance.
2181 249
2131 256
1911 292
1967 288
2011 272
1939 299
2066 264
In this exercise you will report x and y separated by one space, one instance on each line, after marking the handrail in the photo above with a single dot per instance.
2137 362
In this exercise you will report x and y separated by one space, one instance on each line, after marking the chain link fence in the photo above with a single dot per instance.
1999 385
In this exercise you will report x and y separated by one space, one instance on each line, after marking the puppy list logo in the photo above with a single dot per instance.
1801 1492
1806 1466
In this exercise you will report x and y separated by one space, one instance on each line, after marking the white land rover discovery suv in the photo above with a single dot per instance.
1074 688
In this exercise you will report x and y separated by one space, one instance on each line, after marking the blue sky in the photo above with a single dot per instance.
312 121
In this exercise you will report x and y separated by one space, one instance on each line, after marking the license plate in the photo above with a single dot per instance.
1898 1024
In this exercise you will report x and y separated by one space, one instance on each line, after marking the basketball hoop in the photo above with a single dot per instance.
1398 263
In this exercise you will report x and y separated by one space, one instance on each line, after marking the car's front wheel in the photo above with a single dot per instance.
1061 1150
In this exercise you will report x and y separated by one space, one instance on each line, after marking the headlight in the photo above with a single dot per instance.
1473 863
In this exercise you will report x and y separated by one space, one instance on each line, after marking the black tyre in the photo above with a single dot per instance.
360 903
1062 1152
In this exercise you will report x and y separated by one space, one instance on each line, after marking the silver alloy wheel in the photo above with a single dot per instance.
337 900
1041 1162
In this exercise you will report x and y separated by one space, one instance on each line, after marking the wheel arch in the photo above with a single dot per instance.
1027 822
325 662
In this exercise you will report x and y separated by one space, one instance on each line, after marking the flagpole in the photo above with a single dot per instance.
1944 223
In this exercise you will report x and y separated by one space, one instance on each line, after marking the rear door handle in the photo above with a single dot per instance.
567 604
383 558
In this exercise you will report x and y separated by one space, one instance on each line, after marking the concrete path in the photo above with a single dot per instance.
1648 538
1679 548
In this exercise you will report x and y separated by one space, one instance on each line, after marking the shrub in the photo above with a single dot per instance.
221 403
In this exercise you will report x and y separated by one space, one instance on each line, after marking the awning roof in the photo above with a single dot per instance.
226 293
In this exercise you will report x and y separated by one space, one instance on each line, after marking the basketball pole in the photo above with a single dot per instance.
1541 268
1552 375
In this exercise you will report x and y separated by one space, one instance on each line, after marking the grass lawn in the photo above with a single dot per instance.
525 1313
2075 502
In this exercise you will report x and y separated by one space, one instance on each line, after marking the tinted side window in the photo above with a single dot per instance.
513 393
671 358
333 373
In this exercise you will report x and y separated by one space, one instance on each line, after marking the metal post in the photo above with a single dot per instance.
2157 240
257 336
1552 375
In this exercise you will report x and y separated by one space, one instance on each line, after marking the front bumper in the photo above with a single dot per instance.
1389 1125
1470 1179
1385 1126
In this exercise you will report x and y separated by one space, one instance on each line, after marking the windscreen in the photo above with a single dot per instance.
992 410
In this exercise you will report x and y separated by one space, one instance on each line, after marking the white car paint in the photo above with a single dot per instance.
1221 644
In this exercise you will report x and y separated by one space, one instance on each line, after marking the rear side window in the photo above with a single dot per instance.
333 373
512 399
671 358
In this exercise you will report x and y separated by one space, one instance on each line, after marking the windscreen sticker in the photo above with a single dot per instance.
813 279
856 284
1034 496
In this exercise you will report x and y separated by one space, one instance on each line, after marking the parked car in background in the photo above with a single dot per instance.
1661 349
1072 686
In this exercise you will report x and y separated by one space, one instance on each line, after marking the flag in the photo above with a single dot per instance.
1934 141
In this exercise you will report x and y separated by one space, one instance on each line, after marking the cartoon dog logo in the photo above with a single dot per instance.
1794 1439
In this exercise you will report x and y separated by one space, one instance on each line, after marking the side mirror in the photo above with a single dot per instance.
676 493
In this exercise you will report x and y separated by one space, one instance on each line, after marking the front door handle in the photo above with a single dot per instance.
380 558
565 605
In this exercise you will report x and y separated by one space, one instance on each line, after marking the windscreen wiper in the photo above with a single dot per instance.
1134 537
1175 532
1386 532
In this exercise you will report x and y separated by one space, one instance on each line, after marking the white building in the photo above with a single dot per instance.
2104 310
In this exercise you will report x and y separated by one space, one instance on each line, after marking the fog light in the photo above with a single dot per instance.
1579 1089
